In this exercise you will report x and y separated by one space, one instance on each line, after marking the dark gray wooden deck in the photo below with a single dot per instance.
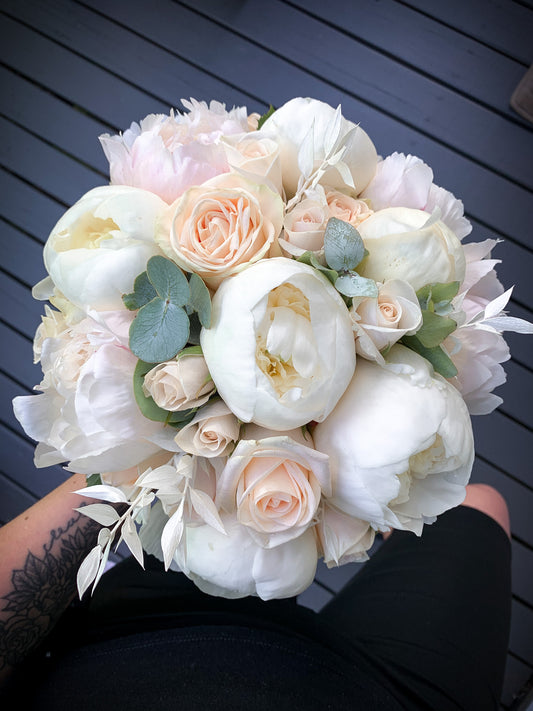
421 76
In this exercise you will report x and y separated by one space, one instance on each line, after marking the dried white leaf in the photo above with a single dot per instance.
104 492
171 536
101 567
132 540
494 308
306 154
88 569
104 536
205 507
155 478
345 174
106 515
509 323
333 131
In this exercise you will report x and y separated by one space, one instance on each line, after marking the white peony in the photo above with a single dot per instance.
280 348
400 443
101 244
301 118
86 414
410 245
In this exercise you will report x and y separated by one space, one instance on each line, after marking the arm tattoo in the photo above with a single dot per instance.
43 589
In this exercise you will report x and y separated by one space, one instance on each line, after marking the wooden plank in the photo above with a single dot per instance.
443 52
55 121
17 360
505 443
24 206
161 75
516 676
522 572
254 69
521 641
315 597
520 345
74 78
506 26
24 256
14 499
43 166
18 461
517 393
18 307
418 100
518 496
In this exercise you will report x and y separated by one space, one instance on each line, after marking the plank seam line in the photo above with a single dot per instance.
515 119
17 382
371 104
522 601
462 32
59 149
186 60
500 469
14 328
18 485
59 97
35 187
498 233
521 541
15 277
514 419
22 230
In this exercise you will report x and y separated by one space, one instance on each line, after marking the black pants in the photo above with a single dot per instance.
426 620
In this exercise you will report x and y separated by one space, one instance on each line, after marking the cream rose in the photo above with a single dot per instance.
223 226
274 482
400 443
256 154
179 384
212 433
280 348
305 225
381 322
407 244
101 244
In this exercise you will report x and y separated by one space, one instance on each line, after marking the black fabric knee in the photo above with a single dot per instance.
433 612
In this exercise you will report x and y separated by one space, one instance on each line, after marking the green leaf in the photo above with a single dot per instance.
160 330
146 404
142 293
439 359
264 117
352 284
343 246
200 299
441 293
195 328
434 329
168 280
94 480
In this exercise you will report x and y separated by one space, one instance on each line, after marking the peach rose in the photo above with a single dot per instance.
223 226
274 482
179 384
212 432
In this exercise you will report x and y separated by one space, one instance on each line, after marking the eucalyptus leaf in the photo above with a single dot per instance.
439 359
352 284
160 330
142 293
265 116
434 329
200 300
441 293
343 246
311 260
168 280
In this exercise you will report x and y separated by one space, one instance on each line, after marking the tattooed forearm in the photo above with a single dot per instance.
43 588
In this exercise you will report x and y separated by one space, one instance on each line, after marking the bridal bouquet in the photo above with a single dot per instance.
266 342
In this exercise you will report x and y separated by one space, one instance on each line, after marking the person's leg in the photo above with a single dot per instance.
433 612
